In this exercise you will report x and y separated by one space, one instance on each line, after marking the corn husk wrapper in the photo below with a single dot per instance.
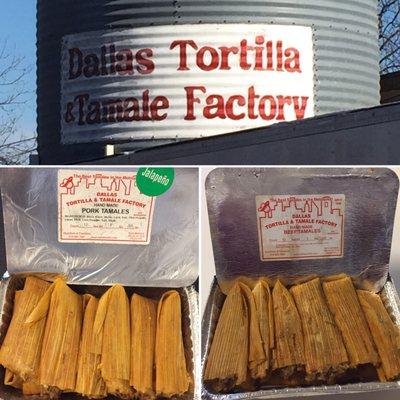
59 358
113 341
265 313
143 323
239 320
31 388
11 379
344 305
89 382
325 353
172 377
228 356
21 349
385 333
28 387
256 362
288 354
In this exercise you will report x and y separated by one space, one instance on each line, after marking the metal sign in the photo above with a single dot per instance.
184 81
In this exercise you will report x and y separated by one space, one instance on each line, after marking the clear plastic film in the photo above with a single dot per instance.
30 209
235 197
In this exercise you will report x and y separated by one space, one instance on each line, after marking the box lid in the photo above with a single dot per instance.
295 223
30 199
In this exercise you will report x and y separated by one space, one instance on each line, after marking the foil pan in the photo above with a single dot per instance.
370 203
189 298
210 318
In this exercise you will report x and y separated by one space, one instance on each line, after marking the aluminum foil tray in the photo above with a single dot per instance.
189 297
370 204
209 322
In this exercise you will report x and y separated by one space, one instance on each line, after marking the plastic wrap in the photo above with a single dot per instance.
29 198
370 200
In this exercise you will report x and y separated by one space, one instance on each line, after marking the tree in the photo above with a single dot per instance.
14 146
389 35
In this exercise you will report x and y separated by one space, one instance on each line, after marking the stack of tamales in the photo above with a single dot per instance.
322 331
61 342
237 349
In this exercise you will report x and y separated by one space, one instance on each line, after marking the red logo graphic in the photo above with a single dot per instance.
69 184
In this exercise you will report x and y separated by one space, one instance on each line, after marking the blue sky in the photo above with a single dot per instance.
18 27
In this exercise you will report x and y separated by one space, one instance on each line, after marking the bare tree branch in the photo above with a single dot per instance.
389 35
15 148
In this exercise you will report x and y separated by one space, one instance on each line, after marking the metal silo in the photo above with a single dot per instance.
344 40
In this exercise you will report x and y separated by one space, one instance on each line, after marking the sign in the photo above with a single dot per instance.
300 227
184 81
102 207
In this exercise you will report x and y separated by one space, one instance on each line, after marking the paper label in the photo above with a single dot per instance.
300 227
102 207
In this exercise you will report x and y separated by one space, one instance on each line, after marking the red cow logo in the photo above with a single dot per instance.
69 184
265 207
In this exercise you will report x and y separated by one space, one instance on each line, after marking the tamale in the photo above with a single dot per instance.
31 388
144 322
257 358
59 358
171 372
326 355
28 387
113 341
22 345
344 305
265 312
385 333
228 356
11 379
288 354
89 382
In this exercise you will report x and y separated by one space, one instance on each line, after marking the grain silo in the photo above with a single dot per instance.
151 72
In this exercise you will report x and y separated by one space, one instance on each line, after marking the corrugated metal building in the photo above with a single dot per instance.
344 37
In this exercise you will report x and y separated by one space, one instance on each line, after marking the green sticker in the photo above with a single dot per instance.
154 181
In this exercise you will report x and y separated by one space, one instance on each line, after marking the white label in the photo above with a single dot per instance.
300 227
184 81
102 207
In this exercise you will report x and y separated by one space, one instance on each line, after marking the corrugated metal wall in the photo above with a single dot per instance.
345 35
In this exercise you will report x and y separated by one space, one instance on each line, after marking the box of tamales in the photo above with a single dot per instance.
98 304
302 302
